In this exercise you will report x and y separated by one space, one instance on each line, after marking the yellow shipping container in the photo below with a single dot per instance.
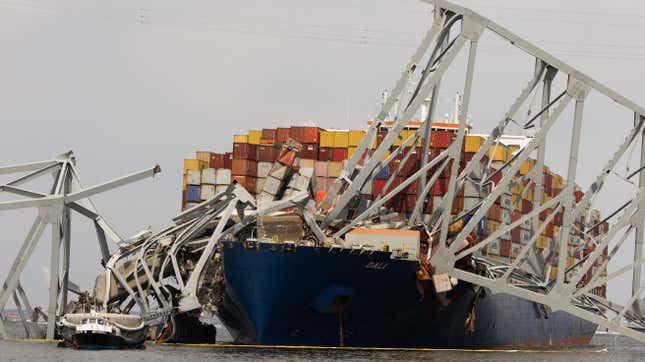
399 140
473 143
541 242
184 182
190 164
341 139
255 136
526 167
203 156
385 155
554 272
456 226
570 262
500 153
240 138
557 181
493 226
350 151
326 139
355 137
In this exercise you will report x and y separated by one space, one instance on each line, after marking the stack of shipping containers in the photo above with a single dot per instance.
325 151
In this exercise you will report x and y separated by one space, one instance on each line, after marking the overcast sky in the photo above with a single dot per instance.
128 84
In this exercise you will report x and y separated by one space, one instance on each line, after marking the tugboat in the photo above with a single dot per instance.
97 330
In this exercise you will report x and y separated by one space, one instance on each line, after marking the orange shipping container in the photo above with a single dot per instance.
242 167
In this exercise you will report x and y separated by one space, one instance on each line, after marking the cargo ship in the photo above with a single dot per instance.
280 289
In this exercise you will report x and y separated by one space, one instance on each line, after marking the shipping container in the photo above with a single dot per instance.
383 173
228 160
341 139
327 139
272 185
267 153
255 136
264 168
334 169
194 177
269 134
190 164
355 137
324 154
217 160
209 176
282 135
440 139
206 192
472 143
248 182
321 168
245 151
259 184
223 176
240 138
192 193
309 151
498 152
242 167
203 156
338 154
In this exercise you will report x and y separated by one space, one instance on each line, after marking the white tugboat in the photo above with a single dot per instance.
97 330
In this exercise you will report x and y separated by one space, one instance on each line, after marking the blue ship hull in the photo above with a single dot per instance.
314 296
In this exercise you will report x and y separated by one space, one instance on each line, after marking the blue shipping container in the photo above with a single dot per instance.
192 193
382 174
482 226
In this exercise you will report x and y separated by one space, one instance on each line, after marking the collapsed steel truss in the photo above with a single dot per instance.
177 268
54 209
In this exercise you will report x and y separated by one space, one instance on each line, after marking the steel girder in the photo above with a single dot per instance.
54 210
566 291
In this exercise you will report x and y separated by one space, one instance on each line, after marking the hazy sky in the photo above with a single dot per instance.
128 84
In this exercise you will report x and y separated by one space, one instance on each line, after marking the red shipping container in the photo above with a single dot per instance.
457 205
548 179
297 133
228 160
578 195
515 215
217 160
248 182
544 214
516 235
338 154
557 219
505 248
267 153
243 167
413 188
427 205
311 134
309 151
549 231
527 206
282 135
378 186
324 154
245 151
410 203
269 134
498 177
495 212
440 187
440 139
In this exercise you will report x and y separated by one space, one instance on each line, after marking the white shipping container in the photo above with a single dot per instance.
223 176
507 201
220 188
259 184
206 192
400 241
194 177
301 182
271 186
278 171
525 236
209 176
471 189
471 202
306 171
264 168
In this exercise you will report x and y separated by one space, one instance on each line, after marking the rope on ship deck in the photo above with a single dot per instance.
259 346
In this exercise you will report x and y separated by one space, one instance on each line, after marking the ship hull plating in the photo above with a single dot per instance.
320 297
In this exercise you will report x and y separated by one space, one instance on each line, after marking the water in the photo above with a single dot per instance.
602 348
